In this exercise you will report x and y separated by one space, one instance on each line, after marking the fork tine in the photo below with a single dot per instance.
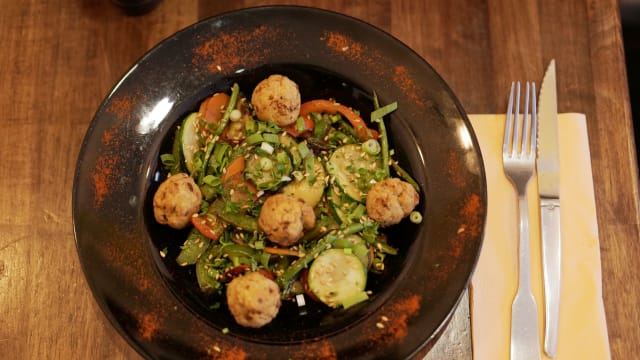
509 123
534 122
517 134
525 123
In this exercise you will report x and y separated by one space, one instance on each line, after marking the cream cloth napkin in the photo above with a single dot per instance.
583 330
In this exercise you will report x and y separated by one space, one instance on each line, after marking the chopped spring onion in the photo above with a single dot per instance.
303 149
371 147
235 115
254 139
271 138
415 217
379 113
168 160
267 147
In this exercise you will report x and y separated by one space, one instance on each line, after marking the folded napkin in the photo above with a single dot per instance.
583 329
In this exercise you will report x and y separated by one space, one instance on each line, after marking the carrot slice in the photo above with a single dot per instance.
243 189
212 108
234 170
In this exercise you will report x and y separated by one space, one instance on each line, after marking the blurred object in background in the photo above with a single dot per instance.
630 18
136 7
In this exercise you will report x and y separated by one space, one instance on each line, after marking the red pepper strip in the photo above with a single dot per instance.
332 107
209 226
307 126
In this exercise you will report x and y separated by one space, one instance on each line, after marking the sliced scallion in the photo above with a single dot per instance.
415 217
371 147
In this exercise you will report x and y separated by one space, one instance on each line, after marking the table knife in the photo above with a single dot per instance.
549 190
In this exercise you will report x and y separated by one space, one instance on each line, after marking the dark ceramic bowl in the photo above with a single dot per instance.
156 305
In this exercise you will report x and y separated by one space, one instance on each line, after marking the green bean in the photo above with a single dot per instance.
385 248
405 175
323 244
324 226
176 151
238 250
290 273
241 221
206 273
233 99
194 246
384 141
203 169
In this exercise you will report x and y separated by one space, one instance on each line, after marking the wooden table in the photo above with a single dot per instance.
58 59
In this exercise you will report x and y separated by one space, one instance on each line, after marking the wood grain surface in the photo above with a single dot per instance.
59 59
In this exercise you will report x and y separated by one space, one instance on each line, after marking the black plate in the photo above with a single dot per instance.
155 304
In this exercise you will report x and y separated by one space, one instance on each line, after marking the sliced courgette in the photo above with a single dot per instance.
353 169
338 278
291 146
309 191
189 140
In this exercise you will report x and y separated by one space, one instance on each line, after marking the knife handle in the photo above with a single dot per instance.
551 263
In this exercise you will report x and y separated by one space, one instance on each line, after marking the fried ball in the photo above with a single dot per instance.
177 199
276 99
390 200
253 299
284 218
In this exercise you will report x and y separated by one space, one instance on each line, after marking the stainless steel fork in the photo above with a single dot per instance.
519 160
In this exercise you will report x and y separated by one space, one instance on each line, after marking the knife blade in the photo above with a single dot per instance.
549 190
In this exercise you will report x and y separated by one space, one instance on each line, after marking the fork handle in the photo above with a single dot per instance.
525 339
524 247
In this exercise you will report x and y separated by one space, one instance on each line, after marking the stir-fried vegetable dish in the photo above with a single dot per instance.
283 199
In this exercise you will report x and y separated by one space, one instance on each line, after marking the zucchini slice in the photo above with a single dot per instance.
311 193
291 146
353 169
338 278
189 140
